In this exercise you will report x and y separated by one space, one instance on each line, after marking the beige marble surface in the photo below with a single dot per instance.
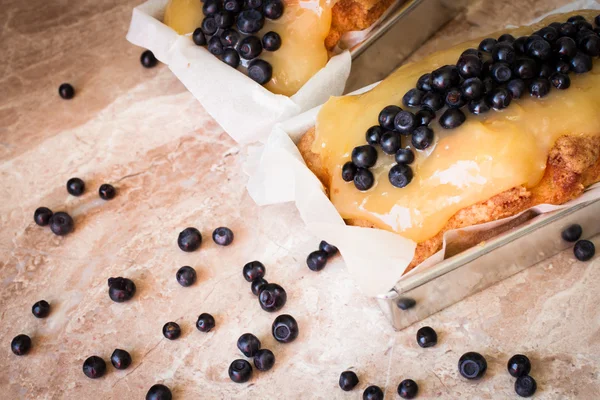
173 167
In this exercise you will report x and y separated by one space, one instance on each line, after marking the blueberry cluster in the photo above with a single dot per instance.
487 78
583 250
317 260
407 389
271 296
229 32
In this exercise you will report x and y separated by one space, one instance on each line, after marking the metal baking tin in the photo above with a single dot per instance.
397 37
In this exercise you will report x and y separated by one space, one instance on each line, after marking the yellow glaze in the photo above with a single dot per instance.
303 28
485 156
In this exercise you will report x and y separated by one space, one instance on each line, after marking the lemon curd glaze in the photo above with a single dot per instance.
303 28
485 156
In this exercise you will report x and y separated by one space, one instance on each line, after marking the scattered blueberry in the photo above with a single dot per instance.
248 344
257 285
223 236
424 117
273 9
330 249
400 175
285 328
260 71
373 393
405 303
426 337
94 367
525 386
584 250
405 156
240 371
61 223
253 270
422 137
348 171
348 380
250 47
387 115
215 47
20 345
572 233
499 98
107 191
581 63
120 359
539 87
519 365
171 330
250 21
264 360
186 276
413 98
364 156
41 309
271 41
560 81
408 389
452 118
272 297
159 392
42 216
189 239
148 59
390 142
364 179
472 365
120 289
75 186
67 92
205 322
231 57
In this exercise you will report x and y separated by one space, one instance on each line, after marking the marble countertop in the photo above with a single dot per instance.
174 167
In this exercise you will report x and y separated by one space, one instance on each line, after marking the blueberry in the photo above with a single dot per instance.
472 365
424 117
250 21
364 179
408 389
234 6
257 285
501 72
531 39
330 249
260 71
560 81
230 38
75 186
565 47
405 122
567 29
413 98
209 26
198 37
452 118
488 84
41 309
518 365
272 297
444 78
507 37
120 289
479 106
250 47
159 392
400 175
273 9
575 18
253 270
562 67
405 156
107 191
487 45
205 322
504 52
525 68
584 250
231 57
519 44
94 367
590 45
42 216
171 330
222 236
248 344
211 7
240 371
186 276
581 63
471 51
549 33
348 380
67 92
120 359
348 171
61 223
426 337
572 233
271 41
525 386
539 87
215 47
545 71
424 83
20 345
432 101
540 49
516 87
373 393
189 239
224 19
472 89
264 360
374 134
390 143
365 156
316 260
499 98
582 24
582 34
422 138
454 98
387 115
405 303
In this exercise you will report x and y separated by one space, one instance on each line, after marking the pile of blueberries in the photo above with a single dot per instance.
229 32
483 79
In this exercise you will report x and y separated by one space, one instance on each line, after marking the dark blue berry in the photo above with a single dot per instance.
205 322
61 223
330 249
390 142
257 285
413 98
499 98
581 63
272 297
539 87
42 216
211 7
67 92
209 26
222 236
198 37
374 134
231 57
264 360
567 29
426 337
171 330
120 359
189 239
540 49
472 89
405 122
364 179
260 71
408 389
234 6
525 68
452 118
230 38
400 175
584 250
549 33
273 9
424 83
583 24
487 45
501 72
444 78
94 367
518 365
75 186
560 81
471 51
562 67
525 386
572 233
433 101
159 392
248 344
531 39
583 34
472 365
41 309
454 98
422 137
224 19
590 45
120 289
405 156
405 303
479 106
271 41
240 371
253 270
250 47
507 37
215 47
565 47
364 156
545 71
424 117
348 380
20 345
504 52
250 21
373 393
186 276
519 44
387 115
316 260
516 87
348 171
107 191
575 18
